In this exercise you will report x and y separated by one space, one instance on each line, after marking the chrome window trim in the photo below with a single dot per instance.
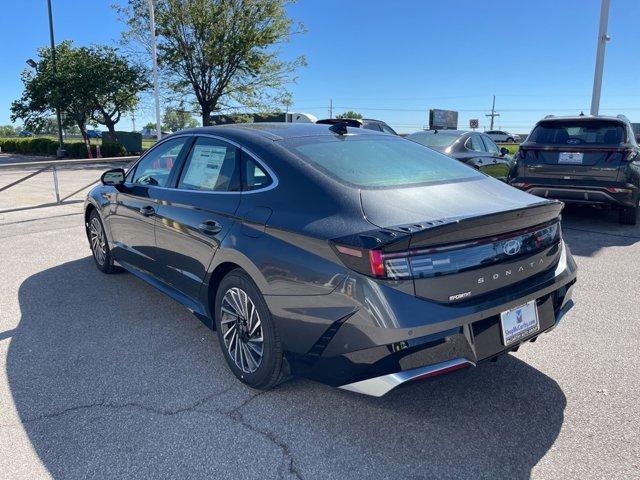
274 183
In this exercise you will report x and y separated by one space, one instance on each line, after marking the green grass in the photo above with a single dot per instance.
513 148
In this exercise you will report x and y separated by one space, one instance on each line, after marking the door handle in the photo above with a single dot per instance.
210 227
148 211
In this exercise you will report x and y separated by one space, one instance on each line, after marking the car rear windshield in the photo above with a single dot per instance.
378 160
576 132
433 139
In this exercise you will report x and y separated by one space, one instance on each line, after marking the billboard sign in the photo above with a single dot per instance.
443 119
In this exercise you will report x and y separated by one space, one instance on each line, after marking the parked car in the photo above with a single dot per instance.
25 133
473 148
94 134
355 258
151 133
368 123
585 159
504 137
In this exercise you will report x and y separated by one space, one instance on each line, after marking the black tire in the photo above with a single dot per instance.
99 244
510 140
628 215
239 349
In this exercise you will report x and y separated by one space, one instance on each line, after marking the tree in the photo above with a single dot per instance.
350 114
42 91
221 53
175 119
93 84
150 126
8 130
117 84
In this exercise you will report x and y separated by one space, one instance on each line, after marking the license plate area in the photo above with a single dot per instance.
519 322
571 158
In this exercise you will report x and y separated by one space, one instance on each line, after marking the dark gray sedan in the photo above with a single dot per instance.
355 258
473 148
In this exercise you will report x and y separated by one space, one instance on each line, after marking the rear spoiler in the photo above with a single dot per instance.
441 232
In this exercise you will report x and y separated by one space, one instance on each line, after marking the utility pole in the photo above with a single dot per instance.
493 113
603 38
61 152
154 54
330 108
133 120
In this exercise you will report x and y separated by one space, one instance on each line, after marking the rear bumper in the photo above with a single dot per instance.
593 192
392 337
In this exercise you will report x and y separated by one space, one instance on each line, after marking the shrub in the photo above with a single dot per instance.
78 150
112 149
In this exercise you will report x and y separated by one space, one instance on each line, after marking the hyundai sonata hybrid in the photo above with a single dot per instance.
355 258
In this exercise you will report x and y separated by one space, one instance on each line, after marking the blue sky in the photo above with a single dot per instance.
395 60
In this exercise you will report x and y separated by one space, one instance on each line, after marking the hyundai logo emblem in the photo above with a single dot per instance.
512 247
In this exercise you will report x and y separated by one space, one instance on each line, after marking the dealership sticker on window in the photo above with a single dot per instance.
204 168
573 158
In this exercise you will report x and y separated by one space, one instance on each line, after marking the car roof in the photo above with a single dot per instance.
273 130
584 118
445 132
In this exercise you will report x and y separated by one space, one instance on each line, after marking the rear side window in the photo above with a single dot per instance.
255 177
372 126
378 161
212 165
475 143
576 132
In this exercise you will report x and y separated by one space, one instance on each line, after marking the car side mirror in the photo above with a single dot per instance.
504 151
113 177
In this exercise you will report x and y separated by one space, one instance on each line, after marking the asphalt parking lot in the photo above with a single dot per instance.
105 377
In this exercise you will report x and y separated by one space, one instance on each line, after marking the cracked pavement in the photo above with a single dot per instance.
104 377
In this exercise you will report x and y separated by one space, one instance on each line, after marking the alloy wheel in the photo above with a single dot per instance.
242 330
98 241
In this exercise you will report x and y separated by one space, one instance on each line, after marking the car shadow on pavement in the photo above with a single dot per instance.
588 229
112 379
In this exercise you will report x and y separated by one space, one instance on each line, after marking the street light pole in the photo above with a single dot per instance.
603 38
154 54
53 65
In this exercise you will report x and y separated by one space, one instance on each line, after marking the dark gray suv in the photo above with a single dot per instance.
585 159
355 258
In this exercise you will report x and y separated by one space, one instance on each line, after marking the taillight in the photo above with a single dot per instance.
429 262
521 185
618 190
376 262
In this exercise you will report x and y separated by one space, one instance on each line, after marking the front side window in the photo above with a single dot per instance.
378 161
387 129
156 165
491 146
211 166
372 126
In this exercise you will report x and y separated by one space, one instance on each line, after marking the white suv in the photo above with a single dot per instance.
501 136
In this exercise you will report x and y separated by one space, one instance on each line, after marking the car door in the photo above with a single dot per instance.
131 218
196 213
475 153
500 164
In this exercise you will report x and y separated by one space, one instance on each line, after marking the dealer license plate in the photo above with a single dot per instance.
519 322
572 158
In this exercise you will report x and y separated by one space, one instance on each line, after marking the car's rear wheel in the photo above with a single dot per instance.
628 215
246 332
510 140
99 244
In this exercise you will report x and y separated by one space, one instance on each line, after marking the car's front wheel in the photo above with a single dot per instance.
510 140
99 244
246 332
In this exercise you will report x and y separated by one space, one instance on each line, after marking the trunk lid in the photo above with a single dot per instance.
572 162
456 237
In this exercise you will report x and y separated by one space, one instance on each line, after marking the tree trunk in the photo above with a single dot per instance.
206 116
87 142
111 127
